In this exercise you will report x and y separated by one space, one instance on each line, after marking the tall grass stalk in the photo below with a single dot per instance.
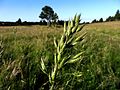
68 40
1 50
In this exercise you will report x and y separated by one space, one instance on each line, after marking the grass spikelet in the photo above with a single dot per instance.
43 67
65 27
55 43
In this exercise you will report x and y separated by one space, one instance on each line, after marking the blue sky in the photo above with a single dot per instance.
29 10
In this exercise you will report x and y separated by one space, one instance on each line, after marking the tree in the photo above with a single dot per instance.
94 21
117 15
101 20
19 21
110 18
48 14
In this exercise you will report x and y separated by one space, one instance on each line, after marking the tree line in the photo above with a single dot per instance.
25 23
116 17
49 17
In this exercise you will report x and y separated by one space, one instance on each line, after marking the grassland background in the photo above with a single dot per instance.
22 47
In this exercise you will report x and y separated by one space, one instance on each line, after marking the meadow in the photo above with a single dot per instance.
22 47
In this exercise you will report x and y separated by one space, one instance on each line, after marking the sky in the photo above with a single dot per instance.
29 10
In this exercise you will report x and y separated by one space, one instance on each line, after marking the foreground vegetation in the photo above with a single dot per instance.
22 47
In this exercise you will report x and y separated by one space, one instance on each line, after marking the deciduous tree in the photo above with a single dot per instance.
48 14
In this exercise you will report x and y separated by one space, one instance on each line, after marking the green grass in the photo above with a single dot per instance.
22 47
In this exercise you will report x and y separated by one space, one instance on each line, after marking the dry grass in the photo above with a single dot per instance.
29 30
37 30
105 25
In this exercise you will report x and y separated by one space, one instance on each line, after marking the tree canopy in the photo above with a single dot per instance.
94 21
19 21
117 15
101 20
48 14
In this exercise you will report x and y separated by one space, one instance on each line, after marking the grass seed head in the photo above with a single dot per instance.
77 20
78 55
43 65
75 17
73 60
72 23
55 42
65 27
74 29
80 28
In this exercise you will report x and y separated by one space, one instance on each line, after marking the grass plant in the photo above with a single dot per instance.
61 58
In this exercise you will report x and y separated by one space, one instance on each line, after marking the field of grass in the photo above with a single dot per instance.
22 47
